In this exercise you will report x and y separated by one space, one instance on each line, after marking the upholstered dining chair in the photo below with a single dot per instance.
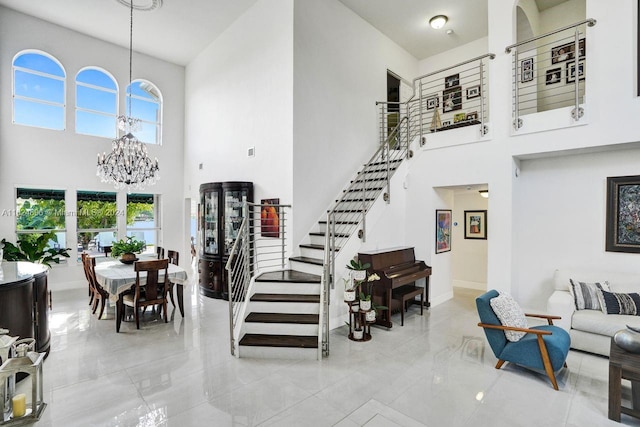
153 293
100 295
542 347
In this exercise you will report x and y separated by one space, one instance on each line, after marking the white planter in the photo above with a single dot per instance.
359 275
370 316
349 295
358 334
355 308
365 305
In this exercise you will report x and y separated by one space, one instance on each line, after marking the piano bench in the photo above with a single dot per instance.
404 294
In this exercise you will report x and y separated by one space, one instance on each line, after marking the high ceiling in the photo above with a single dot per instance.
180 29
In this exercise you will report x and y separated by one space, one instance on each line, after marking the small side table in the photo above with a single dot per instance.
623 364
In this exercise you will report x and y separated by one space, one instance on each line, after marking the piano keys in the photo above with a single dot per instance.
398 270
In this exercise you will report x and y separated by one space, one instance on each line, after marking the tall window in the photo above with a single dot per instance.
96 103
41 212
38 91
143 221
97 225
146 105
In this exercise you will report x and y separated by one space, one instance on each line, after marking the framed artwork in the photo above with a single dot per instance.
452 99
472 116
475 225
270 218
571 71
443 230
473 92
554 76
565 52
446 123
460 117
452 81
526 70
433 102
623 214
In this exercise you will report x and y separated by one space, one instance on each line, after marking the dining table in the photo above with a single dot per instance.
117 277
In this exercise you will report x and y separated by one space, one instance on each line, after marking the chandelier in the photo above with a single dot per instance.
128 165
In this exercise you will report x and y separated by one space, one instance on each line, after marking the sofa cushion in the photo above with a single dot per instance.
585 295
619 303
596 322
510 314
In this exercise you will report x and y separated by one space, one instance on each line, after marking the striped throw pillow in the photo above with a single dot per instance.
585 295
618 303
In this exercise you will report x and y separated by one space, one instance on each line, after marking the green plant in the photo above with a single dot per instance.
34 248
350 285
371 281
357 265
130 245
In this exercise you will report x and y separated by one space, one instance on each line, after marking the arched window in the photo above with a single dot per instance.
96 103
38 90
146 105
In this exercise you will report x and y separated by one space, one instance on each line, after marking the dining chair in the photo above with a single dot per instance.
100 295
160 252
152 292
174 258
84 255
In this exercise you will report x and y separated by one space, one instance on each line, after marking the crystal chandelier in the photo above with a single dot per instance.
128 165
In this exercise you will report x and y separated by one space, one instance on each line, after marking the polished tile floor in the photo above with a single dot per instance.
437 370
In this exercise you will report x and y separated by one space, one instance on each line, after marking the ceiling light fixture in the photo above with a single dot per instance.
438 21
128 164
146 5
484 193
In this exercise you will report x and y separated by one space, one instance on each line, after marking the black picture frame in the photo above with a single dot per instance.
553 76
570 71
526 70
473 92
433 101
565 52
623 208
452 99
472 116
452 81
475 225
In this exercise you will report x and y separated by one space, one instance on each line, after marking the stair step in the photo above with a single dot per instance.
369 199
359 190
289 276
307 260
323 234
319 247
295 341
296 318
347 211
395 161
296 298
358 180
383 169
341 222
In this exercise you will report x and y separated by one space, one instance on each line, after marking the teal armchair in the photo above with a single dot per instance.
543 347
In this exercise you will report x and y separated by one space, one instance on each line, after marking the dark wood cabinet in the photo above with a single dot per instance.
24 302
222 209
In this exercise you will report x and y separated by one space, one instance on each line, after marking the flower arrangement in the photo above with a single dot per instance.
369 283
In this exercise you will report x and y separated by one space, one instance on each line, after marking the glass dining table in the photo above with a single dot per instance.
116 277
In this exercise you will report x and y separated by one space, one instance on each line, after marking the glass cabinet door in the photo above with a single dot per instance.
210 223
233 216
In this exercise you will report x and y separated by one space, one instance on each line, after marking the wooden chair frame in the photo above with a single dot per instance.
100 295
541 344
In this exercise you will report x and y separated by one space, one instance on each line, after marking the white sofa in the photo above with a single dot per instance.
591 330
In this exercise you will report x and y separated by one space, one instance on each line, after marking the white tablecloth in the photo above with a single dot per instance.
116 277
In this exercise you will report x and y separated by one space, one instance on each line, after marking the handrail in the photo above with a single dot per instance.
590 22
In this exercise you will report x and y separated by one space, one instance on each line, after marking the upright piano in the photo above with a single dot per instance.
397 268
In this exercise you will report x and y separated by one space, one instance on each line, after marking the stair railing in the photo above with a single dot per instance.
544 72
259 246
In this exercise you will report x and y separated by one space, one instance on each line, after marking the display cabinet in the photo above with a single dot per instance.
222 210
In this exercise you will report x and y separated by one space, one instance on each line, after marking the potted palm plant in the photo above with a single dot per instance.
127 249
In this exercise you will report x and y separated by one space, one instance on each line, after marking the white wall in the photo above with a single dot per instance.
340 71
43 158
239 94
469 256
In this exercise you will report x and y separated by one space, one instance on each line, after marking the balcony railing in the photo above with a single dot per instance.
544 72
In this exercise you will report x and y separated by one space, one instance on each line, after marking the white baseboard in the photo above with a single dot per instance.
480 286
441 298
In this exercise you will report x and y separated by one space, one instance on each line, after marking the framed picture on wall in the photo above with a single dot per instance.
443 230
452 99
554 76
475 225
270 218
452 81
526 70
473 92
571 71
623 211
565 52
433 101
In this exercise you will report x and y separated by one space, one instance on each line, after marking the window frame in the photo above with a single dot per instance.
156 218
158 123
97 112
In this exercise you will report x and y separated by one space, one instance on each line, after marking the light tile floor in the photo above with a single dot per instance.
437 370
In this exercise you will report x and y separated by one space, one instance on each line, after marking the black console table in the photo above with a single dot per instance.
24 302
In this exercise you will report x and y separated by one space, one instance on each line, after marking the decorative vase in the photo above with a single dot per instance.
359 275
627 340
350 295
358 334
365 305
370 316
